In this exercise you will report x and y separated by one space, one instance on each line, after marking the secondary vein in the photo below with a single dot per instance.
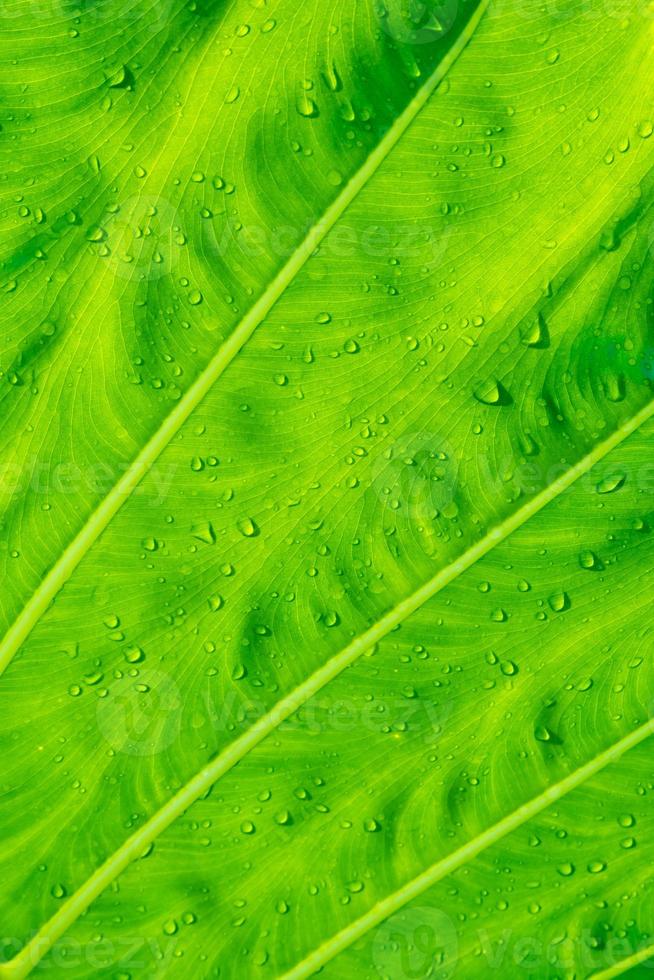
135 845
62 570
416 886
618 969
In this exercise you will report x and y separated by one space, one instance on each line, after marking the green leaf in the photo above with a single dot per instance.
326 489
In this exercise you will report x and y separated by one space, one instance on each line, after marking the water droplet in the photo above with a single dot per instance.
559 602
134 655
307 107
492 393
536 334
248 528
204 532
588 559
611 483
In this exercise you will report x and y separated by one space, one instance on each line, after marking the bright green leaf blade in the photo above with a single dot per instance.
200 148
402 429
488 717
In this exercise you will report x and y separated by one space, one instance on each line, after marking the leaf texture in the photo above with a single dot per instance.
327 499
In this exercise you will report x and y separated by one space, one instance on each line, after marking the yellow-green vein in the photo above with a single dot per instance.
61 571
135 845
618 969
412 889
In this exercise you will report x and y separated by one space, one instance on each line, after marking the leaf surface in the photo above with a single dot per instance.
327 500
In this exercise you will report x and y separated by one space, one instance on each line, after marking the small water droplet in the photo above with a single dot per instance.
611 483
248 528
204 532
559 602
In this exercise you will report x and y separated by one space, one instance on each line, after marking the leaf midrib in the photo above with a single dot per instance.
457 859
628 963
73 554
135 845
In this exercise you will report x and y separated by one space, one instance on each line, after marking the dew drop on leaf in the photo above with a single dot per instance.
492 393
248 528
588 559
204 532
559 602
611 483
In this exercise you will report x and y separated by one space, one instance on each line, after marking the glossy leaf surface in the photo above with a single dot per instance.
326 493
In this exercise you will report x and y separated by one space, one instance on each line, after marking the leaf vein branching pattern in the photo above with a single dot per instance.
135 845
61 571
412 889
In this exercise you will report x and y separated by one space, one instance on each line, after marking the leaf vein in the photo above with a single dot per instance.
135 845
416 886
61 571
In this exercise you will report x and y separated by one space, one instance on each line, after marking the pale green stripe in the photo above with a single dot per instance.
77 549
21 965
457 859
618 969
